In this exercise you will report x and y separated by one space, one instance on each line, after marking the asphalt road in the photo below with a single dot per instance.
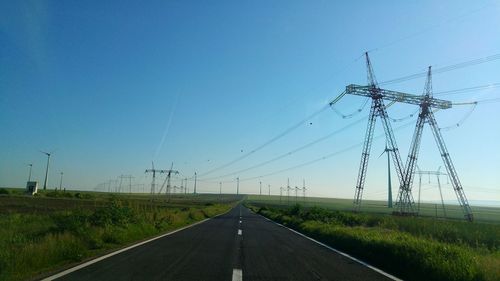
223 248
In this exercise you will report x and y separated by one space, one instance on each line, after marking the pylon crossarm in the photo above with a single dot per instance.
334 101
367 91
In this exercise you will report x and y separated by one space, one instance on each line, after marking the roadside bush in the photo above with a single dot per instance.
4 191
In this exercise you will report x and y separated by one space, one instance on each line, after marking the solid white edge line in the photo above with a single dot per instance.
338 252
85 264
237 274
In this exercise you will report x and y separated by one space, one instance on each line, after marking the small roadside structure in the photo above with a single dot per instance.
32 187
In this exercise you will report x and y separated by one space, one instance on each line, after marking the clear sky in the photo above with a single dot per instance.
110 86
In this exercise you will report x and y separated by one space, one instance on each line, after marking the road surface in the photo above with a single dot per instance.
238 245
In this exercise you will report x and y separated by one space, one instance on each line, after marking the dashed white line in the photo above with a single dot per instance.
240 221
237 274
240 232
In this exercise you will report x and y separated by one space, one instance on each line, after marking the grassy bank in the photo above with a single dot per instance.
430 210
43 234
410 248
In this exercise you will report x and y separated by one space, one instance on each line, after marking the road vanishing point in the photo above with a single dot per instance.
238 245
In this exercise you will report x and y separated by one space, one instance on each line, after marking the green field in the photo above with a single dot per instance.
481 214
54 230
412 248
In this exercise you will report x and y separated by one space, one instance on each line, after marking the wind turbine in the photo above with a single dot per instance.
389 185
31 167
46 169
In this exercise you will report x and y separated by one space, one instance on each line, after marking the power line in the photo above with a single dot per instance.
430 28
468 89
277 137
323 157
444 69
292 151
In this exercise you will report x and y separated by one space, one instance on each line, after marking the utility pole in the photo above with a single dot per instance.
288 191
46 169
269 190
120 185
60 182
153 181
220 191
29 176
260 192
304 190
237 185
195 175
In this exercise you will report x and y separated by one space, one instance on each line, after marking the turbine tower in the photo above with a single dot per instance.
46 169
389 184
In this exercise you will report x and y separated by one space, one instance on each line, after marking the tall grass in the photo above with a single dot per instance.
411 248
34 243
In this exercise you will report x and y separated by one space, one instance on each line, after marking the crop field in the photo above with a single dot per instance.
481 214
413 248
54 230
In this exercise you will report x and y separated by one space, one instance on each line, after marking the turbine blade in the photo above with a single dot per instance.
382 154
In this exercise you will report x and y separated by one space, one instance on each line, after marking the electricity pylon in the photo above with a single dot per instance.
426 115
426 102
129 177
378 108
437 173
167 181
153 181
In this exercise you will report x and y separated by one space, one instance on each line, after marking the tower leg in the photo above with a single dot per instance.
457 186
365 155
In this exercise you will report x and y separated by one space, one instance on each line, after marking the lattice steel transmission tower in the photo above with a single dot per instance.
405 203
378 108
153 181
436 173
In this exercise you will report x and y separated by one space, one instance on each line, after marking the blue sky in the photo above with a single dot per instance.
110 86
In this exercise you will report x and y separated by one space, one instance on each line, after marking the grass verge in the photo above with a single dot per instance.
32 243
